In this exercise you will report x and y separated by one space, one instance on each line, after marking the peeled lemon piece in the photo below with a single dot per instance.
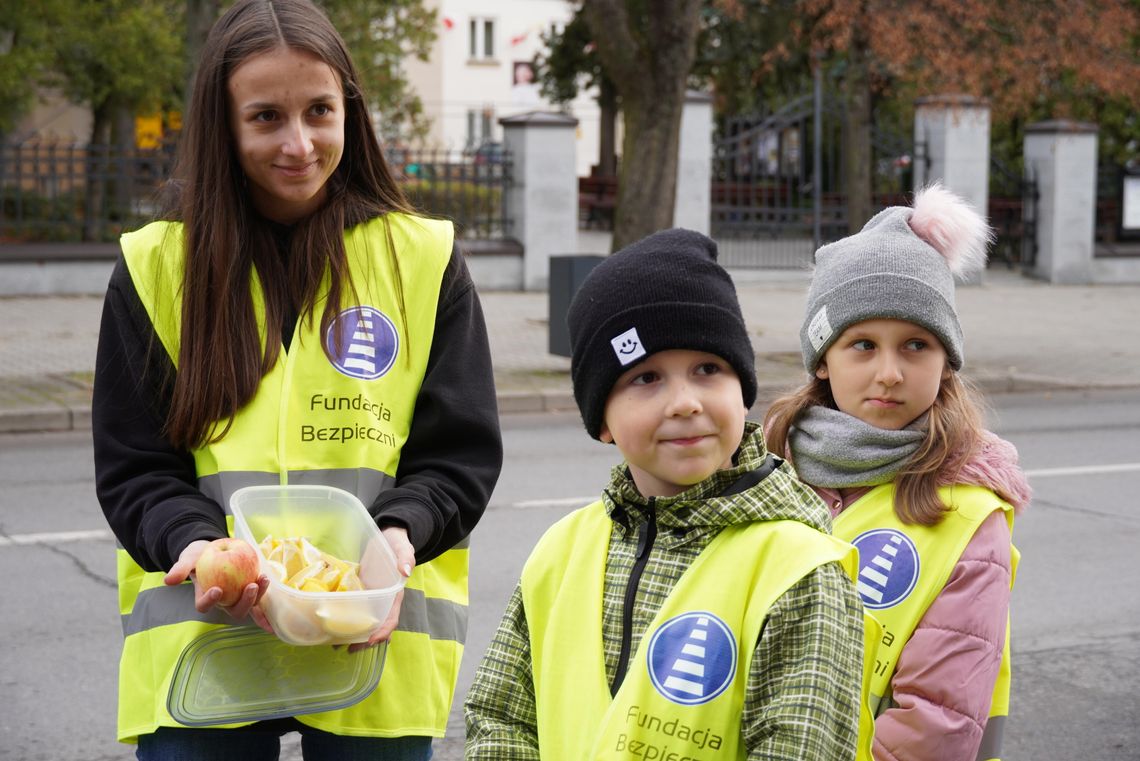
350 581
291 556
309 553
277 570
347 622
298 579
329 578
296 626
300 564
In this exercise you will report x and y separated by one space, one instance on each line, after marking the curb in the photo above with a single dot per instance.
49 417
45 419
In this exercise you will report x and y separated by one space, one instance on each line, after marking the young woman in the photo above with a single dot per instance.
893 440
291 320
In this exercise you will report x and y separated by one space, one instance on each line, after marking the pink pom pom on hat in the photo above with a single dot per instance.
901 266
952 227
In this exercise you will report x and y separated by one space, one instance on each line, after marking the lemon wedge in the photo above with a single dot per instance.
298 563
313 571
295 626
347 622
349 582
276 570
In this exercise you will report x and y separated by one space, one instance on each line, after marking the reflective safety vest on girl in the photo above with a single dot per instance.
902 569
336 419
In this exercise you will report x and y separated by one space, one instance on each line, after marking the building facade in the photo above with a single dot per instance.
480 71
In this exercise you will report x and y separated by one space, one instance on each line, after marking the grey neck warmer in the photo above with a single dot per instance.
833 449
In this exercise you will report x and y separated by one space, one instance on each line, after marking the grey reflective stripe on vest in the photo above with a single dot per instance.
365 483
435 617
160 606
991 739
168 605
220 486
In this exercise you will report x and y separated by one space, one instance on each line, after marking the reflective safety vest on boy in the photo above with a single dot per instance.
684 692
903 567
313 420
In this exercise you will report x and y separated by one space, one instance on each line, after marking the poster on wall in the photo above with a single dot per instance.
524 90
1130 204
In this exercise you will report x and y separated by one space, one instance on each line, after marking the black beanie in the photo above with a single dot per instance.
666 291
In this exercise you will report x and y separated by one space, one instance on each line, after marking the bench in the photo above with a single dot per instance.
597 197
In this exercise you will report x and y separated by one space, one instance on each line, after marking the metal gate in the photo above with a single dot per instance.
1013 215
762 200
777 182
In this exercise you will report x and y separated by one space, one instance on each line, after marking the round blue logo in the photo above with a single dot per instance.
368 342
692 658
888 567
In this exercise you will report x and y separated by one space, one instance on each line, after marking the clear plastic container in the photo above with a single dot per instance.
337 523
240 673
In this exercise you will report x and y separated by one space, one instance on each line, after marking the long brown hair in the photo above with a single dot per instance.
221 360
954 430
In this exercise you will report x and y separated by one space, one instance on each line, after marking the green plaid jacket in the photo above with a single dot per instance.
801 700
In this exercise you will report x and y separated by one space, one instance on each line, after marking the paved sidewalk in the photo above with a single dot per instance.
1021 334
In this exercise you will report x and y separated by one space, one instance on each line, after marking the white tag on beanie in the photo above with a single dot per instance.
628 347
819 329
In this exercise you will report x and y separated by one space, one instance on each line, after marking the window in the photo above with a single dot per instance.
479 125
481 39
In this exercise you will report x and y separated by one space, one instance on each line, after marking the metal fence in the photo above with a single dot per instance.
469 188
58 191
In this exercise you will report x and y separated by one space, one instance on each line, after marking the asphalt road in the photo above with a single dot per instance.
1076 610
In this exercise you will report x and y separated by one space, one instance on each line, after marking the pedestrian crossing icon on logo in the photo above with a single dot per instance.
368 342
888 567
692 658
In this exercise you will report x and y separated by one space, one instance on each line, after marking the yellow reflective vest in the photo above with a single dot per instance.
684 692
314 420
903 567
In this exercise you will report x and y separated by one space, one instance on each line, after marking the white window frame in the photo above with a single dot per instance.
481 38
480 125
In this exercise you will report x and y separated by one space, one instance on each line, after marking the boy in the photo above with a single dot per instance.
698 610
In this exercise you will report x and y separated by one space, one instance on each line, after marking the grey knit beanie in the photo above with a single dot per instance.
666 291
901 265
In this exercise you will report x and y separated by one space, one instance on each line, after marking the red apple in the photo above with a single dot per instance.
230 564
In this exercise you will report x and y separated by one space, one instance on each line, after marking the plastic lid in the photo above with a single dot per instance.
241 673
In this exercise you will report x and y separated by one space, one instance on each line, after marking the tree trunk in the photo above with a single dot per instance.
98 151
200 16
857 153
121 180
647 51
647 178
607 137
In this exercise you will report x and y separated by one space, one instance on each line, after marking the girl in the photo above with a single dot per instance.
290 297
892 438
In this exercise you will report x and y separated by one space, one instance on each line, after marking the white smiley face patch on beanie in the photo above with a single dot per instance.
628 346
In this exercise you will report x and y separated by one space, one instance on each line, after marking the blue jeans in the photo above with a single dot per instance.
262 742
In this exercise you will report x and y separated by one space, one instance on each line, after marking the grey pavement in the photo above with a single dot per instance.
1021 334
